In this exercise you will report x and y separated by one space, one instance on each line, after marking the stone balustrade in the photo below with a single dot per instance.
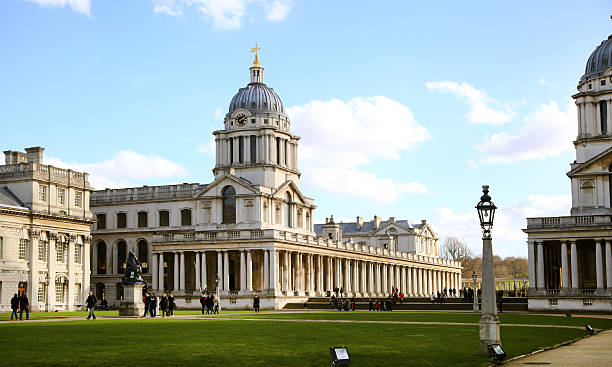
44 172
568 222
181 191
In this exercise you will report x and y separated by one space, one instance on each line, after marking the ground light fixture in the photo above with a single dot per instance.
339 356
589 329
496 353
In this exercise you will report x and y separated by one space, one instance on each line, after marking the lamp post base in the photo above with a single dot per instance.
489 333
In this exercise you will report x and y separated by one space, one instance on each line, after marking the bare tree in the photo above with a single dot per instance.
455 249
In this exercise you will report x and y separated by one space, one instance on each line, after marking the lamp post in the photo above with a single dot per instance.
474 294
489 321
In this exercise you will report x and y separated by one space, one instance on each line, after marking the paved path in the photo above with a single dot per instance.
593 351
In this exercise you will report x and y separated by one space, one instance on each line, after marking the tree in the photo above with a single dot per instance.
456 250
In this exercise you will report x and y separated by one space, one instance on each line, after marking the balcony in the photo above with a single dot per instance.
559 223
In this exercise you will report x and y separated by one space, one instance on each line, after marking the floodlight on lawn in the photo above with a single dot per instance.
589 329
339 356
496 353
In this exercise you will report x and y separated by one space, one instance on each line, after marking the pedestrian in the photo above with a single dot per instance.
341 292
153 305
163 305
433 297
371 305
353 304
377 306
210 304
171 304
91 305
256 303
500 305
203 303
146 301
14 306
216 301
24 305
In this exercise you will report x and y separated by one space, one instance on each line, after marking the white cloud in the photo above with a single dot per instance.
225 14
508 225
338 137
547 132
477 99
81 6
124 168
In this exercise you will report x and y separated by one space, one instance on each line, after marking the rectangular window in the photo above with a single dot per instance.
121 220
23 248
101 221
241 149
603 82
61 196
186 217
59 252
164 218
77 253
78 199
603 112
59 292
253 149
252 121
42 193
286 152
77 293
142 219
231 149
42 293
42 250
278 150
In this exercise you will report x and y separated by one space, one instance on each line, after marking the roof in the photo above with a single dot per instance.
351 227
257 96
7 198
599 61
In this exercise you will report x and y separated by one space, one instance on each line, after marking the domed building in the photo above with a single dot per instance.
570 258
250 231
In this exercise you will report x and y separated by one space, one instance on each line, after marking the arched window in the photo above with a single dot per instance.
143 255
121 256
229 205
288 213
299 218
101 254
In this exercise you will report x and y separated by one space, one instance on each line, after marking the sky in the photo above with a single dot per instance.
404 108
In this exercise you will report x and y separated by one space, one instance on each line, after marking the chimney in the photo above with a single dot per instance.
423 221
359 223
35 154
13 157
377 221
392 219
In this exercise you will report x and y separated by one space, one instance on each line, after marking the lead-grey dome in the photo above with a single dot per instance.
257 96
599 61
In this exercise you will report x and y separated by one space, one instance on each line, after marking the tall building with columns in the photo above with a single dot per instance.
570 259
44 232
251 230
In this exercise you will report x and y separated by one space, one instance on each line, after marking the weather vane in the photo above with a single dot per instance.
255 49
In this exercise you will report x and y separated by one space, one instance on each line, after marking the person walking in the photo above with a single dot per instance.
256 303
91 305
171 304
146 301
163 305
24 305
153 305
216 301
210 304
371 305
14 306
203 303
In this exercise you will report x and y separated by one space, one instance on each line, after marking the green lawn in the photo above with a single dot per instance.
209 341
4 316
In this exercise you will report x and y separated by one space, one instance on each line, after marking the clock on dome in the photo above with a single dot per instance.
241 119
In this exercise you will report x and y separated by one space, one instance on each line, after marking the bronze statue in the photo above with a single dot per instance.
133 270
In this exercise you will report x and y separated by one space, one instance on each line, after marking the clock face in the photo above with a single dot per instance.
241 120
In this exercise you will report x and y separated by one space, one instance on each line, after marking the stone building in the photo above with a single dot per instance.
44 232
251 230
570 260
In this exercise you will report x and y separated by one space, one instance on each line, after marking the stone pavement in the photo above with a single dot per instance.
594 351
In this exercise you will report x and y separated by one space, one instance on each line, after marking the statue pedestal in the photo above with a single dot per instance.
132 304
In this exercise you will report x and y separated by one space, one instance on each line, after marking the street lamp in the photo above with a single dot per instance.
474 294
489 321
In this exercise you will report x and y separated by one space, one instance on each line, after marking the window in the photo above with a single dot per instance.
101 257
101 221
164 218
253 149
121 220
59 291
603 113
241 149
229 205
265 121
143 255
42 293
23 248
186 217
252 121
78 249
42 250
77 293
61 196
78 199
288 210
42 193
121 256
603 82
278 150
142 219
231 149
286 153
60 250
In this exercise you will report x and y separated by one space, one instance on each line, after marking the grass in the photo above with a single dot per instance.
4 316
209 341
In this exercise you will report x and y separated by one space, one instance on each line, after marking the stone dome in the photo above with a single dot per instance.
599 61
257 96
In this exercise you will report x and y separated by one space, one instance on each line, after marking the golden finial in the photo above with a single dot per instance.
255 49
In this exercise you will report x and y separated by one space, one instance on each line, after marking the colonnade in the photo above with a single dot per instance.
264 148
296 273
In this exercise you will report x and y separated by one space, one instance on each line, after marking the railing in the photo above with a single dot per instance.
568 222
42 171
553 292
182 191
257 233
233 234
210 235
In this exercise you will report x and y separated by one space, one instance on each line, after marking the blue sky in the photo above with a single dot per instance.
405 109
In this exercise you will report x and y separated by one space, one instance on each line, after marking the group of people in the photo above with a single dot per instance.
468 294
341 304
382 304
166 304
20 303
210 304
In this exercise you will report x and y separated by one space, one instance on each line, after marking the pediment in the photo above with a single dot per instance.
426 231
242 187
390 229
598 164
289 186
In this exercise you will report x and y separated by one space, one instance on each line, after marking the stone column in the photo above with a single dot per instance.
286 273
266 258
226 285
363 267
155 268
176 271
220 268
328 274
564 266
540 279
86 268
198 277
356 277
290 271
489 321
33 269
531 264
182 272
608 264
204 272
115 248
574 259
51 261
403 287
599 264
242 272
160 271
273 267
249 272
347 276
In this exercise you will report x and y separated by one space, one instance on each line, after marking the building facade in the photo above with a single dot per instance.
251 230
44 232
570 259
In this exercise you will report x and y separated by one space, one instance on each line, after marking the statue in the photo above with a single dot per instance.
133 270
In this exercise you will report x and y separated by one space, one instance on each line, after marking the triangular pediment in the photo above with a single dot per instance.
599 163
390 229
242 186
426 231
293 189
